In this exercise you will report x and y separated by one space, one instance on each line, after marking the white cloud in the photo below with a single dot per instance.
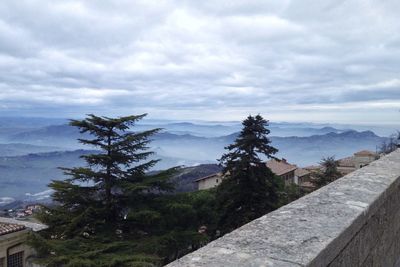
186 58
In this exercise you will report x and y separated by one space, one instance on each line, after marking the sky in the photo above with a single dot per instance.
316 61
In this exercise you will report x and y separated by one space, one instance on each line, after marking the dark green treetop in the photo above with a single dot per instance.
249 189
329 173
108 213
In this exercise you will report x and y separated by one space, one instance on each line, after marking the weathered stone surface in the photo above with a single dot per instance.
354 221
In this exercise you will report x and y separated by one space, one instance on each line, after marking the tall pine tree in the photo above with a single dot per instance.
249 189
105 211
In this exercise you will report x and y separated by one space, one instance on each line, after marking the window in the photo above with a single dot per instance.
217 181
2 262
16 260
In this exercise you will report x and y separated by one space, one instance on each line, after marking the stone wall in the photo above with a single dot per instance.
14 243
354 221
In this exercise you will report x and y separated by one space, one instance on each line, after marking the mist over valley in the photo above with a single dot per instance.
31 153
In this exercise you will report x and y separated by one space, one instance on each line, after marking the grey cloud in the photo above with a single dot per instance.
197 58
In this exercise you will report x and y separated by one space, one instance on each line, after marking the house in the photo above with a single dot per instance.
279 167
14 252
209 181
346 165
357 161
364 157
283 169
302 175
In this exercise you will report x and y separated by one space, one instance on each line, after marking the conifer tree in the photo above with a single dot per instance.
249 189
104 212
330 171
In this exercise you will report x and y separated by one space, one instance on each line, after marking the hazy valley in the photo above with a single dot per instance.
32 152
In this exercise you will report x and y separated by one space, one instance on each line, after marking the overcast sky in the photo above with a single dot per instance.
328 61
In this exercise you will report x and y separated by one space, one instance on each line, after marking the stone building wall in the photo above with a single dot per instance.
16 243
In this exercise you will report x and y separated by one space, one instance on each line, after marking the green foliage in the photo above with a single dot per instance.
111 212
249 189
291 193
330 172
87 252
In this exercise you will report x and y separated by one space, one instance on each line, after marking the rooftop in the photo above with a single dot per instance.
280 167
7 228
34 226
300 172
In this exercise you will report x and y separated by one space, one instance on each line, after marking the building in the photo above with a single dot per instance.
346 165
283 169
14 252
358 160
209 181
364 157
301 175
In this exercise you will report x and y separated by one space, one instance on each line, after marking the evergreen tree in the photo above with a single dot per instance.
249 189
292 192
109 213
330 171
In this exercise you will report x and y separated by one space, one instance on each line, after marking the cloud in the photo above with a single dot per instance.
6 200
201 60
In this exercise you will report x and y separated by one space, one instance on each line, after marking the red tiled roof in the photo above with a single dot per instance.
6 228
280 167
300 172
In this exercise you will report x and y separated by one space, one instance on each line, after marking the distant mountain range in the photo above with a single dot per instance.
27 175
65 136
31 173
32 149
18 149
299 150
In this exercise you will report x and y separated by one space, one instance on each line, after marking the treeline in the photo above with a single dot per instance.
391 144
114 213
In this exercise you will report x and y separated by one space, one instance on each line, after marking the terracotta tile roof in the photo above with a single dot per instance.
364 153
300 172
34 226
6 228
280 167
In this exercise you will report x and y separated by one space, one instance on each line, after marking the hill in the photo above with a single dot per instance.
299 150
31 173
18 149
